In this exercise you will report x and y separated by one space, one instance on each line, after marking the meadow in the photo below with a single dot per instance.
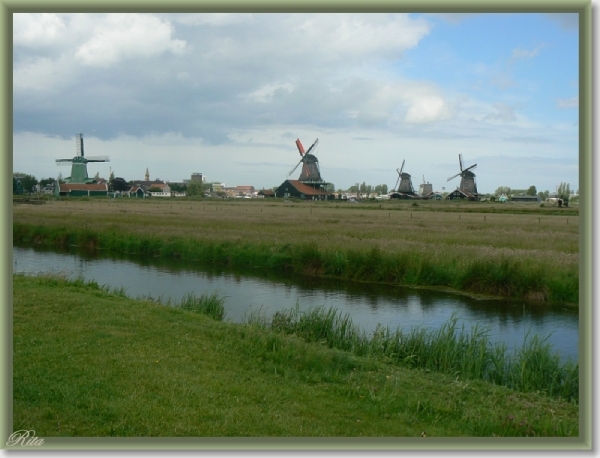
522 251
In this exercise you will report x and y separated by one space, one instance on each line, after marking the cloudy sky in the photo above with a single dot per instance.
227 95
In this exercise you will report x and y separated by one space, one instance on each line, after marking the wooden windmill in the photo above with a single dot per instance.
79 163
310 164
467 178
405 181
425 188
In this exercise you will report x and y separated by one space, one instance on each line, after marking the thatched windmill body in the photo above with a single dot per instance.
467 177
79 163
310 164
404 182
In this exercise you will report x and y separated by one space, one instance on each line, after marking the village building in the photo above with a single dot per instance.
299 190
524 198
461 194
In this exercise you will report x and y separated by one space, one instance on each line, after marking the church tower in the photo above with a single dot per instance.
147 176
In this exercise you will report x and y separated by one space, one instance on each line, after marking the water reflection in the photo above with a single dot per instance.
367 304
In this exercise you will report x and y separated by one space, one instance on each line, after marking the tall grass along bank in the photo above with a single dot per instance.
89 361
505 276
461 353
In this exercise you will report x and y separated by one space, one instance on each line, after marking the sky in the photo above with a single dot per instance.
227 95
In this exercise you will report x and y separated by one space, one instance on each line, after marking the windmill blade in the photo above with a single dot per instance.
460 161
98 159
402 167
453 176
64 161
423 179
300 147
295 167
398 180
469 168
312 146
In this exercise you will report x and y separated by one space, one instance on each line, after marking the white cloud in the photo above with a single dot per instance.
127 36
503 113
427 109
267 92
573 102
520 53
42 74
36 29
356 36
213 19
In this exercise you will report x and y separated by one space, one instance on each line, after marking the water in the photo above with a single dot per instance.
368 305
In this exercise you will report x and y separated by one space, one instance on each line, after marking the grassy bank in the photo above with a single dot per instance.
89 361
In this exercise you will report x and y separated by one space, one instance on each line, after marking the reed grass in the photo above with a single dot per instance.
517 250
464 354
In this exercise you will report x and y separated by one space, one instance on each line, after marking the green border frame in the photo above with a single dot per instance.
583 7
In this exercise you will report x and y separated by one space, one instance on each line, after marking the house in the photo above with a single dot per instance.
524 198
82 189
403 195
461 194
244 190
295 188
135 191
147 185
266 193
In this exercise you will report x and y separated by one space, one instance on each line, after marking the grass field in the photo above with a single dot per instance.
515 250
91 362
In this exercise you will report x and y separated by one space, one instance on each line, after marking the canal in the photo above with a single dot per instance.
368 305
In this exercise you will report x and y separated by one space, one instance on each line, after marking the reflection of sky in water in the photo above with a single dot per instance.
368 305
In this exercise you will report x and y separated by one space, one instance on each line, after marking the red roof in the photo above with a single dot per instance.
83 187
307 190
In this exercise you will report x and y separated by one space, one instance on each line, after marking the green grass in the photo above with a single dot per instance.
88 361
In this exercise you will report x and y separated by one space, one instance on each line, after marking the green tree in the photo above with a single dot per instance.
381 189
195 188
46 181
59 178
564 191
531 191
177 187
330 187
503 190
27 181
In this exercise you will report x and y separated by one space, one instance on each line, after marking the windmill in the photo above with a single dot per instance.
310 164
79 163
467 178
425 188
405 181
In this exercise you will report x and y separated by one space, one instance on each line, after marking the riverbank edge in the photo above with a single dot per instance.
506 278
381 394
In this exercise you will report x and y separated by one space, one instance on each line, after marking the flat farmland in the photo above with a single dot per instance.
453 235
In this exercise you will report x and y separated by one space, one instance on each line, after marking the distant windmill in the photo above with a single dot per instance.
425 188
467 178
310 164
405 181
79 163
